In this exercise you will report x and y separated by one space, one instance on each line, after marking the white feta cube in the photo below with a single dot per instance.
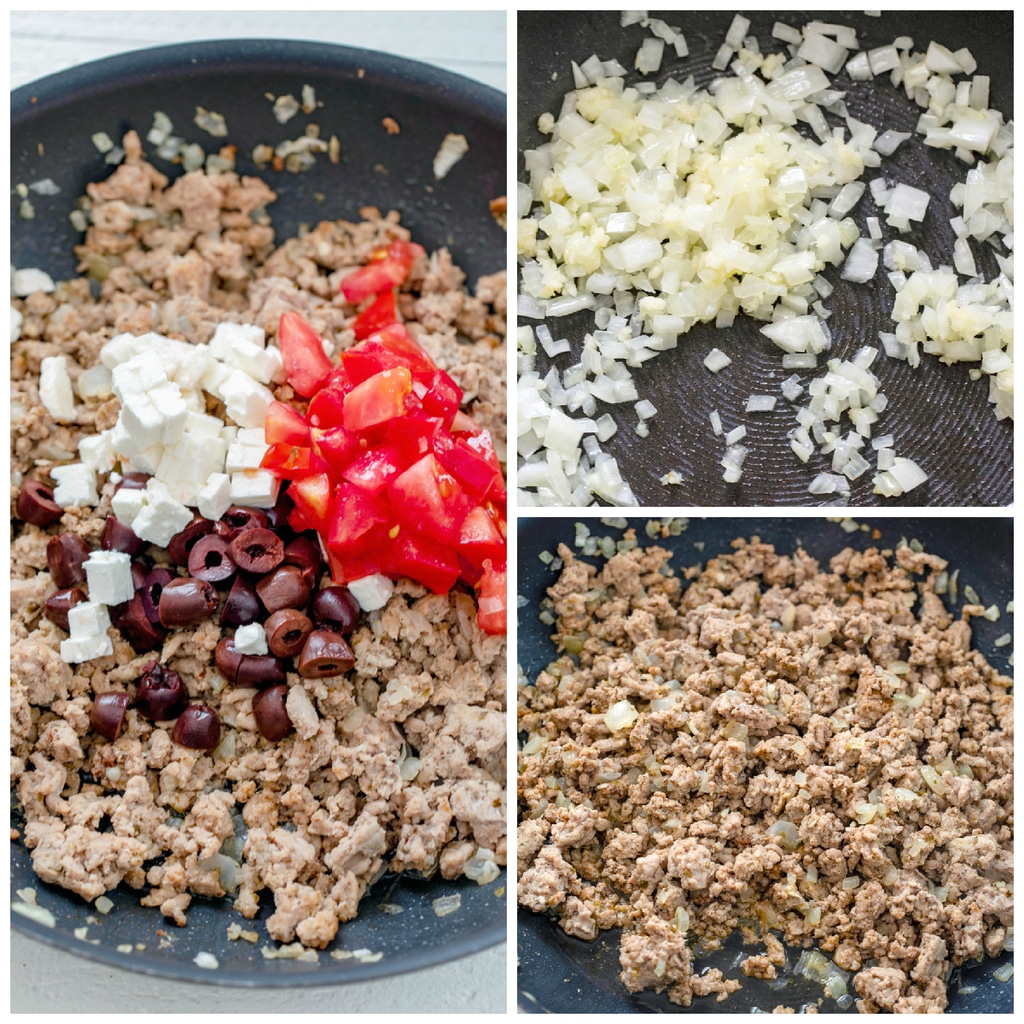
243 456
30 279
227 334
127 503
116 351
250 435
76 485
97 452
172 409
141 421
55 391
214 377
371 592
86 649
245 399
192 370
251 639
200 424
138 376
256 488
109 575
90 618
162 516
214 498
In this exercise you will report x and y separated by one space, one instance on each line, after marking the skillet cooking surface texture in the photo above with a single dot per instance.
941 419
60 113
561 974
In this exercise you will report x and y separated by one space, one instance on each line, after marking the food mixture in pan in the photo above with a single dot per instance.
813 755
258 556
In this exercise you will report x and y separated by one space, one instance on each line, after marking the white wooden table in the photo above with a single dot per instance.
44 980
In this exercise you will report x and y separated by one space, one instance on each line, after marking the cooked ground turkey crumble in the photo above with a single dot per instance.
323 811
845 702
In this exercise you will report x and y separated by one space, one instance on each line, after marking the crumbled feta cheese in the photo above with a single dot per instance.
55 390
76 486
371 592
251 639
256 488
161 517
109 574
214 498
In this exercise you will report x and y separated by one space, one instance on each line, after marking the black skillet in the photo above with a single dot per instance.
52 121
940 418
561 974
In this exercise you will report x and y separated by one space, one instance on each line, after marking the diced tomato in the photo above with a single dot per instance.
380 313
480 539
378 399
312 496
471 465
292 461
463 424
492 600
375 468
337 446
387 268
327 408
355 513
392 346
442 396
302 350
429 500
285 425
420 558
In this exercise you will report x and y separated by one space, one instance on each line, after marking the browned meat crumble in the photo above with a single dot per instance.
399 762
844 703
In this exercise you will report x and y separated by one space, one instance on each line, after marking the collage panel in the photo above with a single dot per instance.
765 258
258 512
765 764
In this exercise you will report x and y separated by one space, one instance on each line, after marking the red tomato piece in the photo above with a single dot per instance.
393 346
375 468
285 425
387 268
302 350
428 499
420 558
337 445
377 399
327 408
464 424
442 396
480 539
492 600
471 464
380 313
312 496
292 461
355 513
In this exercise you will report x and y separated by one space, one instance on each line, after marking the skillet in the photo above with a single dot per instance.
52 121
939 417
558 973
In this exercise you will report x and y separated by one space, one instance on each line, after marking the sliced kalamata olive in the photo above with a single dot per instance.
268 708
135 626
133 482
287 630
257 551
186 602
107 715
65 555
36 505
150 591
161 695
118 537
227 659
277 517
59 603
242 606
140 570
182 543
210 560
304 551
237 519
260 670
337 607
197 727
325 653
287 586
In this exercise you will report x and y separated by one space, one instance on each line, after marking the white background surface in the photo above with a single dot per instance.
44 980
